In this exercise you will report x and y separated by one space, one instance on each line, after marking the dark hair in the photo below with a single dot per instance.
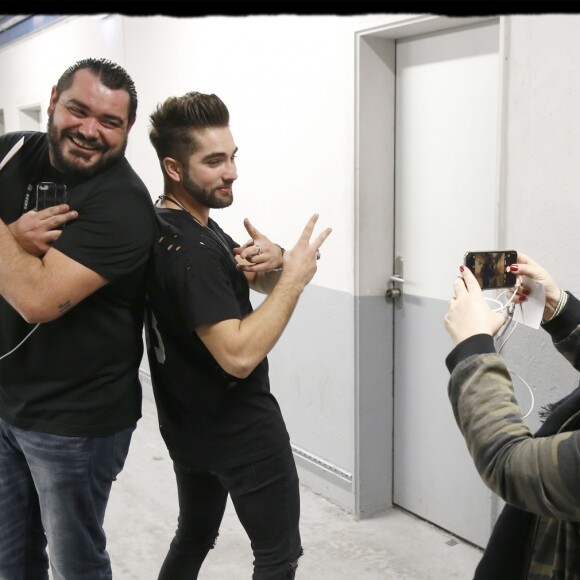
172 122
112 75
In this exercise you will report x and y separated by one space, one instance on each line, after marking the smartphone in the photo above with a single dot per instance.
49 194
490 268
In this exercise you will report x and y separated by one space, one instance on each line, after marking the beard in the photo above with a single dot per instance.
203 196
70 169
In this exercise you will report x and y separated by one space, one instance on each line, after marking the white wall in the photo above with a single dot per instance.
542 189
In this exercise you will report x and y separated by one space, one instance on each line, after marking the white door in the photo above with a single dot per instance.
447 103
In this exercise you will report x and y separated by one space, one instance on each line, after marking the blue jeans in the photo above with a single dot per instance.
54 490
266 497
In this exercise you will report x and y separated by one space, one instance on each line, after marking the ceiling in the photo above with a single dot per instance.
9 20
14 27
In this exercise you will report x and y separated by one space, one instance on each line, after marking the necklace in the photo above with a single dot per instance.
215 234
179 204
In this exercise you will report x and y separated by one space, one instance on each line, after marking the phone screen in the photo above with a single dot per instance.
490 268
49 194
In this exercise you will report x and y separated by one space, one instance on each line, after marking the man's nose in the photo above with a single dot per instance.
89 128
231 171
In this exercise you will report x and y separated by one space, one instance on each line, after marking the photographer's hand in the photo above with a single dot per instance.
468 313
527 267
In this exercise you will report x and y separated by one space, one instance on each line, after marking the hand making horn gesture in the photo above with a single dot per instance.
259 253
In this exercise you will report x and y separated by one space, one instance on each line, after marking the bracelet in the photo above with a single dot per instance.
279 269
560 306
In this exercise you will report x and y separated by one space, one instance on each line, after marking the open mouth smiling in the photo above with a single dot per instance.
84 145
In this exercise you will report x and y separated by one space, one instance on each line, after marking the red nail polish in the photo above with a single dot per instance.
513 268
461 268
522 298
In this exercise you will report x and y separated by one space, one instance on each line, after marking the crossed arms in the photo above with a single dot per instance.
38 281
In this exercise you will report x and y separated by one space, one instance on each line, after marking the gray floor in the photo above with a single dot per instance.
394 546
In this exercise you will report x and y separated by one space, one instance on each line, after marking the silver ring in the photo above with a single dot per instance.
259 249
318 254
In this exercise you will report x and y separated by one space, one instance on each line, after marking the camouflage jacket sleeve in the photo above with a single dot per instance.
565 331
539 475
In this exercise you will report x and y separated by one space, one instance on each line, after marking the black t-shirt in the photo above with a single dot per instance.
208 418
78 375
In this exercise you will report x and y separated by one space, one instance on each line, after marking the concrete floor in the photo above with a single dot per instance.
142 515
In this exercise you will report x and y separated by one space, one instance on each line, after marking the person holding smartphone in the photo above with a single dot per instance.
71 319
537 534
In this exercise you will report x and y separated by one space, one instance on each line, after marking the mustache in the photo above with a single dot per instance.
226 185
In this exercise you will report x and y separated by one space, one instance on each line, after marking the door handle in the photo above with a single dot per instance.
393 291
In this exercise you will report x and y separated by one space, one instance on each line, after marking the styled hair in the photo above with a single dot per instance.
174 122
112 75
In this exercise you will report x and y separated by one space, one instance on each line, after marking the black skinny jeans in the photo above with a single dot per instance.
265 495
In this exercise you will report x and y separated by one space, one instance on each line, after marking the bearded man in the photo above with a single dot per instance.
71 315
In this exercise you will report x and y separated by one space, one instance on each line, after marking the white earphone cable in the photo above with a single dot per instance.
510 305
20 343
